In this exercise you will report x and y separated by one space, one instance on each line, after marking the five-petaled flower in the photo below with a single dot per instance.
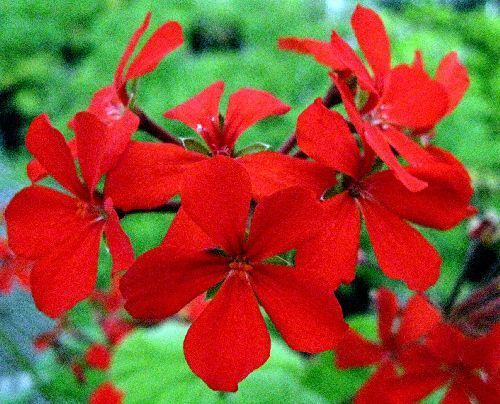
467 367
398 329
62 232
385 204
213 241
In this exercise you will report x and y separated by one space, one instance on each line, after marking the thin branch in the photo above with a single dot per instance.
172 207
289 144
148 125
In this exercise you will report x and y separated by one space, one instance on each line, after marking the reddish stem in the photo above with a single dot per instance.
151 127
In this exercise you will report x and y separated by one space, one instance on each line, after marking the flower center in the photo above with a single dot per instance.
88 211
240 265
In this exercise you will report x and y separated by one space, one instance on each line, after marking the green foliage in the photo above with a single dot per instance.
149 366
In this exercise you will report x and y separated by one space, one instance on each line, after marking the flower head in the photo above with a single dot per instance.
61 232
212 242
384 203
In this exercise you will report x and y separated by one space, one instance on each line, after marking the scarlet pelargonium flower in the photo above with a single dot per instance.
106 393
110 104
13 268
399 100
468 367
62 232
398 329
98 356
385 204
208 243
153 170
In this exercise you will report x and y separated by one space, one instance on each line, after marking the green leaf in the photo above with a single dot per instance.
338 386
193 144
252 148
149 366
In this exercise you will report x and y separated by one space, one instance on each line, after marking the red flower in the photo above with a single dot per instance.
13 268
384 203
110 104
106 393
62 232
398 329
207 244
398 99
110 300
468 367
116 328
98 356
153 170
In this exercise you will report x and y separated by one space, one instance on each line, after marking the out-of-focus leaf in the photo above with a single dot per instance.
149 366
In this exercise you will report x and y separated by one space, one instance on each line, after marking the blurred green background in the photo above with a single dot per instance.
55 55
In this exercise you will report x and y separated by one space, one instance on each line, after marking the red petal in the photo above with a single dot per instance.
387 310
119 79
216 195
376 140
309 318
36 172
184 235
454 77
378 387
201 113
333 254
402 252
325 137
106 105
373 40
106 393
98 356
229 339
355 351
418 60
282 221
482 391
456 394
349 103
322 51
412 99
271 172
40 219
412 152
442 205
68 275
446 343
163 41
118 242
162 281
246 107
352 61
411 388
49 147
152 170
91 140
418 317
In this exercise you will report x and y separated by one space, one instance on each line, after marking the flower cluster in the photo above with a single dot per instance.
419 353
259 228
